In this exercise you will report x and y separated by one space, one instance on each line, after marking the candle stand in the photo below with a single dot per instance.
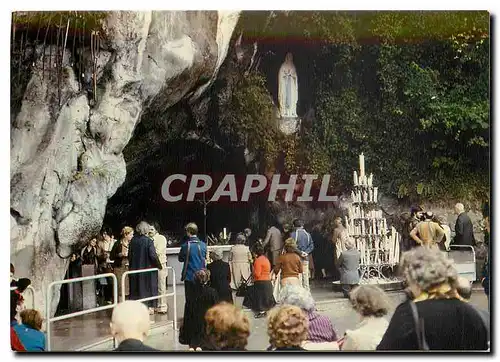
367 227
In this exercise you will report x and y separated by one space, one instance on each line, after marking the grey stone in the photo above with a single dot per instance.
67 161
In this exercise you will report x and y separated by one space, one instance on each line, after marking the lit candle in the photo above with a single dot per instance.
362 165
224 233
355 178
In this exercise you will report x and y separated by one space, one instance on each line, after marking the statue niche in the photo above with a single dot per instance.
288 90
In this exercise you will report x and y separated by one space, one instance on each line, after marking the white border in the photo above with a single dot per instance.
5 21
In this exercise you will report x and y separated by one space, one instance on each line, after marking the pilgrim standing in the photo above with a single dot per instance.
142 255
89 267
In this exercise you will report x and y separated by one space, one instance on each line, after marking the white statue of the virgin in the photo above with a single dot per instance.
288 90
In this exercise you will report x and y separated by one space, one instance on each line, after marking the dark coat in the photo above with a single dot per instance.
134 345
220 279
464 232
192 331
449 324
113 255
349 267
142 255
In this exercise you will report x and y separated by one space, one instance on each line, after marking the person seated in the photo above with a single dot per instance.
220 276
17 299
464 288
432 278
372 305
227 328
27 337
130 326
321 335
287 327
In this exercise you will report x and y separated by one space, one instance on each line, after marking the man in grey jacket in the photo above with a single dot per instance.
275 241
349 267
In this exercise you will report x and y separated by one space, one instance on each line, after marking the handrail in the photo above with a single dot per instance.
174 294
465 246
76 314
32 294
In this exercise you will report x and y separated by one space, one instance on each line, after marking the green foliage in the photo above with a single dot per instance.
418 110
251 117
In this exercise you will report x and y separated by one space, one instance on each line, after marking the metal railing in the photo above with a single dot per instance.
173 293
76 314
30 288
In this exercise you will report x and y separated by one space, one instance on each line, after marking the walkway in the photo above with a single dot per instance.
75 333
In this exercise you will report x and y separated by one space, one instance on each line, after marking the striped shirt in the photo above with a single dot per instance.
320 328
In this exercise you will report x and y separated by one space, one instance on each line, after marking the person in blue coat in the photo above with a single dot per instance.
193 254
27 337
305 247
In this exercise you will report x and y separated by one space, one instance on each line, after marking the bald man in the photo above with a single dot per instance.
464 232
130 326
464 288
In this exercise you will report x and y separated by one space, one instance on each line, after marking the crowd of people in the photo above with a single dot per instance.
272 274
433 305
141 248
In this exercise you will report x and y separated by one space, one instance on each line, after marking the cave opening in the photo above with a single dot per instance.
140 197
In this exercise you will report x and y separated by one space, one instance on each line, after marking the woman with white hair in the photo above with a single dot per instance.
321 334
437 318
349 267
220 276
372 305
142 255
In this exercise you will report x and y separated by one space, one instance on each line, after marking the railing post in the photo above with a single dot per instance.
47 317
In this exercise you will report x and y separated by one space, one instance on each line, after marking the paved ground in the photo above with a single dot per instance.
339 312
69 335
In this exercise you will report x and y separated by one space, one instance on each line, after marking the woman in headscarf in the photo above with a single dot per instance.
240 260
193 327
220 276
447 322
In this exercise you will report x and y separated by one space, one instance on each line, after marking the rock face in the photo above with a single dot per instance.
67 161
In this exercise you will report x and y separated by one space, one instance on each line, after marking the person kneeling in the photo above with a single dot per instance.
349 267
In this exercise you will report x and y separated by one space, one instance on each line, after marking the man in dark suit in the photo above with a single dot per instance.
464 232
130 326
142 255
